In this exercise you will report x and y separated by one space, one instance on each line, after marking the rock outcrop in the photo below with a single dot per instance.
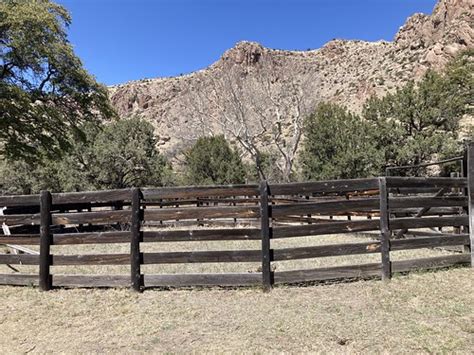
342 71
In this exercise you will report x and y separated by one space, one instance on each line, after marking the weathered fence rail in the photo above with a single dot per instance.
391 206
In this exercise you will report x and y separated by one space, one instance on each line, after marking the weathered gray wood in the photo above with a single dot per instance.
16 259
407 223
470 192
19 279
20 239
91 196
432 211
393 181
422 212
334 227
199 191
91 280
19 200
429 242
96 217
135 257
91 259
326 207
385 232
431 263
20 219
229 279
324 186
326 250
202 257
201 235
91 238
45 281
201 212
265 235
330 273
441 201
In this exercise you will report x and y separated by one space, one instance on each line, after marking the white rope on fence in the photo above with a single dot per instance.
16 248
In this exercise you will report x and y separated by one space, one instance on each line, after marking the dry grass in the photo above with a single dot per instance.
423 313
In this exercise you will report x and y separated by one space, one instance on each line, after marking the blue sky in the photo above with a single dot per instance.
122 40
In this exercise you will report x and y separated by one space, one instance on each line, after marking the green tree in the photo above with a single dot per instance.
420 122
212 161
45 93
125 154
121 154
338 145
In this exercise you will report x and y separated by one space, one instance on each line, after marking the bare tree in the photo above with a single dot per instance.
260 106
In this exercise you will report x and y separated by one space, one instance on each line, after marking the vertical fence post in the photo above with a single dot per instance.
384 230
470 192
135 256
45 279
265 234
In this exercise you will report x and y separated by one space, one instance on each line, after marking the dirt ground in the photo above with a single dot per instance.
431 312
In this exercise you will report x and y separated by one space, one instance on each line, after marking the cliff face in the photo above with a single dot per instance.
250 75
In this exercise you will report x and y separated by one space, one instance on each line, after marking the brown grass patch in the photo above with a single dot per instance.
421 312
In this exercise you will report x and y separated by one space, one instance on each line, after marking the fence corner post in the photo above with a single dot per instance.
45 278
470 191
136 236
385 232
265 235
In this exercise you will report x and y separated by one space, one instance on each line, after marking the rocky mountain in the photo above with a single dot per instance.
255 95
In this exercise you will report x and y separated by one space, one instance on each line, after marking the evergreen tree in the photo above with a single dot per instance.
337 145
212 161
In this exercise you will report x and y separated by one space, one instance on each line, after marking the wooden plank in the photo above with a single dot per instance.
45 281
201 235
91 259
20 239
326 250
177 280
326 207
442 201
91 196
17 259
432 211
431 263
135 257
19 279
202 257
324 186
413 190
334 227
201 212
330 273
91 280
97 217
470 193
407 223
385 232
19 200
430 242
20 219
396 181
265 235
199 191
91 238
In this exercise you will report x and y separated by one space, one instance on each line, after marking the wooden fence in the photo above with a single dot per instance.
405 213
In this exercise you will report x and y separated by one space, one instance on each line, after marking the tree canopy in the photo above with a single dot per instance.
119 155
338 144
420 122
213 161
45 93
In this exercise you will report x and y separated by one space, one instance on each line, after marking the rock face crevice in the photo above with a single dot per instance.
342 71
